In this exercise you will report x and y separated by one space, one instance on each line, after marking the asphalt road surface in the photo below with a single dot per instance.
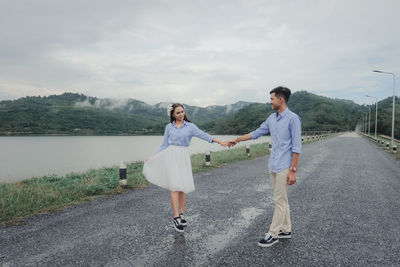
345 210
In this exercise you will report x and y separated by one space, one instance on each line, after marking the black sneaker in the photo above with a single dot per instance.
177 225
267 241
183 221
282 234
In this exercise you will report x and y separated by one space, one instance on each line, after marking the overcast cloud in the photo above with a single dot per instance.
198 52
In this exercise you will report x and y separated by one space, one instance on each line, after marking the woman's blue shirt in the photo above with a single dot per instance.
183 135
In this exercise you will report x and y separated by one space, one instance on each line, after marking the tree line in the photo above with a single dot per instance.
77 114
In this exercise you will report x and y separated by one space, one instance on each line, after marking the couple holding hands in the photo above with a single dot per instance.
171 168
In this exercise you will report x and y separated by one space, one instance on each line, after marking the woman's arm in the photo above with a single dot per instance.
201 134
165 140
205 136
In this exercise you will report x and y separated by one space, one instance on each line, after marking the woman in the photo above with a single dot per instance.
170 168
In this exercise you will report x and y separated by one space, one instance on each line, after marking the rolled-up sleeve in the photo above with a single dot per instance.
295 130
201 134
262 130
165 141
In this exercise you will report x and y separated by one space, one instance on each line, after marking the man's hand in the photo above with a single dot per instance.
231 143
291 178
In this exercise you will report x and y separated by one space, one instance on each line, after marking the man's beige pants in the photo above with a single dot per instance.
281 218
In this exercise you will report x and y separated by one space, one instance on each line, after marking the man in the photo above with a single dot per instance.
285 129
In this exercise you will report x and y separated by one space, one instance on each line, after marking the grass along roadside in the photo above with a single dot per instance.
49 193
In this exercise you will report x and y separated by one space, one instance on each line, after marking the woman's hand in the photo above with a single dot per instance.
226 143
223 143
232 143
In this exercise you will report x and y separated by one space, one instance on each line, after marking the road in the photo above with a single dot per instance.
345 210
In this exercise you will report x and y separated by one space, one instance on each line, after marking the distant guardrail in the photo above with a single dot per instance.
314 136
383 141
388 137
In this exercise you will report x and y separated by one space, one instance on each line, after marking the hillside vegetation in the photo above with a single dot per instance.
77 114
317 113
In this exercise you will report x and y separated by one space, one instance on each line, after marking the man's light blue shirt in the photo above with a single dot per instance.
183 135
285 130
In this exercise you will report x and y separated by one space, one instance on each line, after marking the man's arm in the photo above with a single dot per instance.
243 138
291 178
262 130
295 160
295 127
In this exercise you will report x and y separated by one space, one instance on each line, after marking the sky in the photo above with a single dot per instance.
199 52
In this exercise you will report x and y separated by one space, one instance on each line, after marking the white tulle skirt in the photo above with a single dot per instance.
171 169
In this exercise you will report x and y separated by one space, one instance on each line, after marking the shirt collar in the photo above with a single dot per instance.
184 124
283 114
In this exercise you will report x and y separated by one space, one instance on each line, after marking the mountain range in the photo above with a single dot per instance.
78 114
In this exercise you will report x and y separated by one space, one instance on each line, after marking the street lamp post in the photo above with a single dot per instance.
369 121
363 123
376 113
394 86
363 120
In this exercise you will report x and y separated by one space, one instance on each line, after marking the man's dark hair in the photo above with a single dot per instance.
282 92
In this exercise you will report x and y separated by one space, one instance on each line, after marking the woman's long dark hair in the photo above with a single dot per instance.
171 115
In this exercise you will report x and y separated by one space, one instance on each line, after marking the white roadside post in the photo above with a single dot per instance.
122 173
208 158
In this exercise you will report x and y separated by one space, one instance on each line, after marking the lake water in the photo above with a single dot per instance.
27 157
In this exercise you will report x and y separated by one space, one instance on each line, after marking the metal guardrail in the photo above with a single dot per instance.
389 138
384 142
308 138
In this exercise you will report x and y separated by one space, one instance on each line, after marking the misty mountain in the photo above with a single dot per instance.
78 114
318 113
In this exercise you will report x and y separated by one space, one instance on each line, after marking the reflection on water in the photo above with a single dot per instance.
25 157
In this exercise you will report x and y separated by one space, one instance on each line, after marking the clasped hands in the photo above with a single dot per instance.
229 143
